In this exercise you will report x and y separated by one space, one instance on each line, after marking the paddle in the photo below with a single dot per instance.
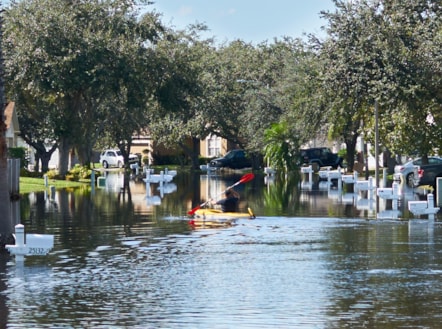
244 179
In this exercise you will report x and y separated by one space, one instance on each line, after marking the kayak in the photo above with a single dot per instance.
212 218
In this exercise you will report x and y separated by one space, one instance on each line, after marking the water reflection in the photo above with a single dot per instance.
314 258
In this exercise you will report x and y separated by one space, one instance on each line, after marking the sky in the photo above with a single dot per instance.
249 20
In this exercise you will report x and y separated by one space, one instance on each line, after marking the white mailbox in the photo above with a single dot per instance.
362 185
39 244
424 207
348 179
417 207
335 174
385 193
35 244
306 170
323 174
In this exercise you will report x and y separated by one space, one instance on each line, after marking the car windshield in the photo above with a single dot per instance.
230 155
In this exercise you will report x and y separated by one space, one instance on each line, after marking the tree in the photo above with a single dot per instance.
180 105
5 201
416 27
34 128
377 50
83 59
281 146
243 93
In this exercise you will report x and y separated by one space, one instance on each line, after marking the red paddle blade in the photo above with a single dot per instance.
192 212
247 178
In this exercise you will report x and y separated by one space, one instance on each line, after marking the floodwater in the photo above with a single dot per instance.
315 257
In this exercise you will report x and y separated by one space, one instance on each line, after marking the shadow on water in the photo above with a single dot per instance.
313 258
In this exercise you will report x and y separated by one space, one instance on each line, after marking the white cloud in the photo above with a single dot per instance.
185 11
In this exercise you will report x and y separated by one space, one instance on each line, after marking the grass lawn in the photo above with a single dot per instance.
30 184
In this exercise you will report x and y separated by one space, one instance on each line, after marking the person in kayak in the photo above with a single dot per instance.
230 202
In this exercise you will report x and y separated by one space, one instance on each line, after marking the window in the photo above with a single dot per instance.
213 145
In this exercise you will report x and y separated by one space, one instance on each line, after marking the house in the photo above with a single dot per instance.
214 146
210 147
12 127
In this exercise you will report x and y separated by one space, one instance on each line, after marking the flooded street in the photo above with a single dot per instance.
314 257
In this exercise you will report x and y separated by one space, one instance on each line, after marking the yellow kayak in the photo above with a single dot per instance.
211 218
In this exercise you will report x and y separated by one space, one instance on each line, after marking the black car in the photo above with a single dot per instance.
321 157
235 159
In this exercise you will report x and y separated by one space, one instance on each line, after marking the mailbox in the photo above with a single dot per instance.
306 170
348 179
35 244
323 174
362 185
334 174
417 207
39 244
385 193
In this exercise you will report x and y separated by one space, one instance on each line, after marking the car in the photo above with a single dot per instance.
234 159
427 173
114 158
320 157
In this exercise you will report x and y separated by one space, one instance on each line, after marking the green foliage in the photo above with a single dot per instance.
79 172
387 51
53 174
342 153
26 173
145 160
281 147
19 153
102 48
128 73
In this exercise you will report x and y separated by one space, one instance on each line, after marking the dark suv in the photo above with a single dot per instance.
321 156
235 159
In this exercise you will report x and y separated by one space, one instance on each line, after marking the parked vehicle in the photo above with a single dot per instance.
235 159
427 173
321 156
114 158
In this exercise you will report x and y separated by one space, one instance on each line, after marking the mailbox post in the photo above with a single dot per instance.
30 244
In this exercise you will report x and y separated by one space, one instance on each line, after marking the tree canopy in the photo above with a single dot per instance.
87 72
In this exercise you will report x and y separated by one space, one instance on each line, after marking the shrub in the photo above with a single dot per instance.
19 153
52 174
26 173
79 172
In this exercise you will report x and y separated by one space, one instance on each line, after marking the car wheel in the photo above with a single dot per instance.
410 180
105 164
120 164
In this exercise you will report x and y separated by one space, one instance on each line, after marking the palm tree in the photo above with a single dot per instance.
281 146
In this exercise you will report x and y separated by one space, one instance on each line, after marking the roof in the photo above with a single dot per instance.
11 117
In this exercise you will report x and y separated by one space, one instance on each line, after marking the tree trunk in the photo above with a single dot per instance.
350 144
5 199
37 163
196 153
193 152
63 160
45 158
42 154
84 153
